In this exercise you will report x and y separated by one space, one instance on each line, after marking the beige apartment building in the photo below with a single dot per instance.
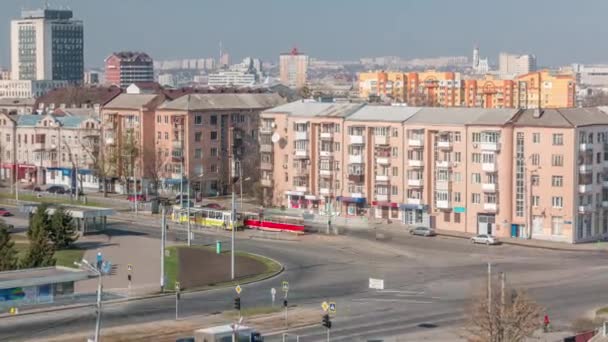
470 170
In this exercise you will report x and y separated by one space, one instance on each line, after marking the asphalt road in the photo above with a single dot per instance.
427 280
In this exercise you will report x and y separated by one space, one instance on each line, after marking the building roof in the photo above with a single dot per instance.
74 96
462 116
305 108
66 121
563 117
223 101
27 119
40 276
131 56
131 101
383 113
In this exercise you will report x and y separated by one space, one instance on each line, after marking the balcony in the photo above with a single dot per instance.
605 183
585 168
356 139
301 172
177 144
490 146
488 167
266 166
444 144
605 164
443 164
382 178
266 148
356 195
442 185
490 207
267 183
415 162
585 147
382 160
326 136
38 146
301 135
355 159
301 154
443 205
415 182
414 201
266 129
325 172
585 209
488 187
356 178
604 204
324 191
302 188
381 139
585 188
414 142
381 198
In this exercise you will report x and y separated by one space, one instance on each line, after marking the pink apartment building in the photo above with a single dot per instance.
464 169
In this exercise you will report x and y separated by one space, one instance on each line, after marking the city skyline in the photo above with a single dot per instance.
404 26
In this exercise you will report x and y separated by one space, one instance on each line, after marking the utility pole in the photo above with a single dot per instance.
489 289
134 188
241 182
163 223
98 321
233 217
188 214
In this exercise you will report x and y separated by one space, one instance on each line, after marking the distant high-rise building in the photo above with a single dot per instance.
480 65
92 77
231 78
47 44
509 64
293 68
125 68
224 59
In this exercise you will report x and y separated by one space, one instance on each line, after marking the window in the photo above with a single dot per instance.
8 137
197 136
457 137
336 146
476 158
535 159
475 198
395 152
536 138
457 177
198 119
557 202
166 119
535 180
213 120
198 153
475 178
457 197
446 216
159 135
556 225
158 119
557 160
535 201
476 137
395 171
557 181
456 217
598 158
558 139
394 190
395 132
166 135
213 168
457 156
214 135
213 152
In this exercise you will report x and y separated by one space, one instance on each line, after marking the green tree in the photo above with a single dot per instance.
40 220
8 254
40 251
63 231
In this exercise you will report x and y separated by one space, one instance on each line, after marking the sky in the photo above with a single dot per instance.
558 32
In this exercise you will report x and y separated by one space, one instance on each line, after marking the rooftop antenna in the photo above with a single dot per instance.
221 52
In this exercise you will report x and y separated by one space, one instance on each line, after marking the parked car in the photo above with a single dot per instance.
139 197
57 189
213 206
485 239
4 212
423 231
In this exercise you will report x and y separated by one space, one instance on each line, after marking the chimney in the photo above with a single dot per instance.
537 113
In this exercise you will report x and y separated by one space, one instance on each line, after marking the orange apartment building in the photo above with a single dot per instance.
472 170
542 89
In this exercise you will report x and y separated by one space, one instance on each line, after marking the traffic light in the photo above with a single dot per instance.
284 303
326 321
237 303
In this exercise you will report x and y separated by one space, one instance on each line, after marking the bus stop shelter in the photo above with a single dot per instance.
87 219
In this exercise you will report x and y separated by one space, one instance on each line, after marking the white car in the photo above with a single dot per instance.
485 239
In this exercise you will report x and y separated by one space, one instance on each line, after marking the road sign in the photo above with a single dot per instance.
325 306
238 289
285 286
377 284
332 307
129 267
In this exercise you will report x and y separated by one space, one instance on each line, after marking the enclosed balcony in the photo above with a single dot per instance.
356 139
488 187
415 182
490 207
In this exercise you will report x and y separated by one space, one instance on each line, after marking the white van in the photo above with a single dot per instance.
223 333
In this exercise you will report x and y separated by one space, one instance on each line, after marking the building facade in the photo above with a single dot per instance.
293 68
29 89
47 44
470 170
510 64
124 68
231 78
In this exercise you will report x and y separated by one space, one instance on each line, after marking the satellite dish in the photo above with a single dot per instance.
275 137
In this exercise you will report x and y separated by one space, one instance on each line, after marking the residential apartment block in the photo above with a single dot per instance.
542 89
470 170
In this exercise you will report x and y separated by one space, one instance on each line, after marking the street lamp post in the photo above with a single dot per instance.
84 264
233 217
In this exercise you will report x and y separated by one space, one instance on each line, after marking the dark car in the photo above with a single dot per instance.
56 189
213 206
423 231
5 213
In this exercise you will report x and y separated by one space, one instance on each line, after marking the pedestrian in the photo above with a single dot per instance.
99 259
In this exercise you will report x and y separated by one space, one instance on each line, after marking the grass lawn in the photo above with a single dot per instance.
48 199
64 257
170 267
248 312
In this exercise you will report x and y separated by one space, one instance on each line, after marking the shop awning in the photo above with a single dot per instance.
414 206
385 204
358 200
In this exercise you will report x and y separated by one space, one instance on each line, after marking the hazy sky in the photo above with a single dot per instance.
557 31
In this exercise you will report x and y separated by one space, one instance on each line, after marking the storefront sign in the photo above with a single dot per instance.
460 209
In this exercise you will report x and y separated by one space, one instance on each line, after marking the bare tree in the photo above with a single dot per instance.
99 164
123 156
598 98
506 315
155 170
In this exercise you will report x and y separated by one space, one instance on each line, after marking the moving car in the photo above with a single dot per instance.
423 231
4 212
484 238
56 189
